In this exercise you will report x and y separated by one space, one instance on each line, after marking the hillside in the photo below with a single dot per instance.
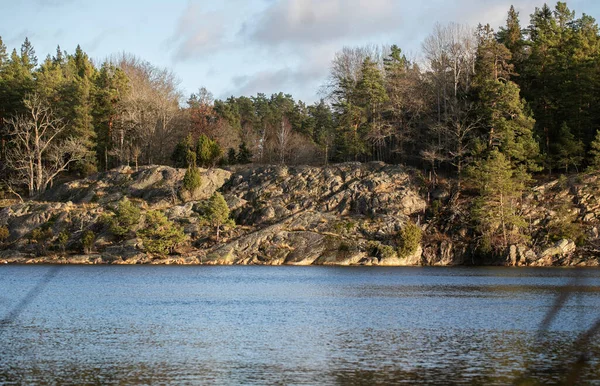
345 214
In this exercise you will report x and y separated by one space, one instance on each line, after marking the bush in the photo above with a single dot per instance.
62 239
88 238
41 237
409 239
564 226
381 251
192 179
4 233
160 236
208 151
124 218
231 156
244 155
180 153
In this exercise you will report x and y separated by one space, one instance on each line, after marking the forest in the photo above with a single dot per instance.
518 102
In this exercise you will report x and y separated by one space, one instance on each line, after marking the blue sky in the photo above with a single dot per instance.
241 47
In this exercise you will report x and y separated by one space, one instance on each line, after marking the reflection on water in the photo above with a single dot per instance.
292 325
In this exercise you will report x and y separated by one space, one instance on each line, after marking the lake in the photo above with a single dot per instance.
292 325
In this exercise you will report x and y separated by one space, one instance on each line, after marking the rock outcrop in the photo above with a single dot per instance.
345 214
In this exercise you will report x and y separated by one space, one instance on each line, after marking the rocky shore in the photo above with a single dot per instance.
346 214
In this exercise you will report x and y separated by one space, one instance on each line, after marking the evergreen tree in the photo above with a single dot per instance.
192 179
595 153
111 86
244 156
28 58
3 55
231 156
180 155
203 151
216 212
371 96
495 209
570 150
511 36
160 235
509 126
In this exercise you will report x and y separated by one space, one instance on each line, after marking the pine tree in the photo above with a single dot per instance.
569 150
111 86
595 153
160 235
511 37
3 55
244 156
495 209
509 126
28 58
231 156
371 96
216 212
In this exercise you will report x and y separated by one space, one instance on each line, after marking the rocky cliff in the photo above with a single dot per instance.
342 214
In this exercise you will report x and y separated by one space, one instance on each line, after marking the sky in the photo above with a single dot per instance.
242 47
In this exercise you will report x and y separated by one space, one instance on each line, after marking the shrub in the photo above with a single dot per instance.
380 251
180 153
124 218
208 151
564 226
88 238
231 156
244 155
160 236
409 239
4 233
62 239
192 179
41 237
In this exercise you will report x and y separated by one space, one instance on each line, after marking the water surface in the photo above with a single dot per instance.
291 325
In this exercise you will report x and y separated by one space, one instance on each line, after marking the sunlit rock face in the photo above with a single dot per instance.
344 214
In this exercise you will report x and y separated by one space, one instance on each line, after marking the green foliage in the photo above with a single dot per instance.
564 225
192 179
208 152
381 251
345 227
4 233
62 239
180 156
436 208
409 239
595 153
160 236
244 155
231 156
41 237
570 151
495 209
88 239
124 219
216 213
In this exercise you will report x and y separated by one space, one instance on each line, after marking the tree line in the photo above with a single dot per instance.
525 94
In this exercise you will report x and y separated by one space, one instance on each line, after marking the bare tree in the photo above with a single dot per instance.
38 152
149 121
284 135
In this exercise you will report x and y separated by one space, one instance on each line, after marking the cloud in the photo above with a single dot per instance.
317 21
197 33
301 82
